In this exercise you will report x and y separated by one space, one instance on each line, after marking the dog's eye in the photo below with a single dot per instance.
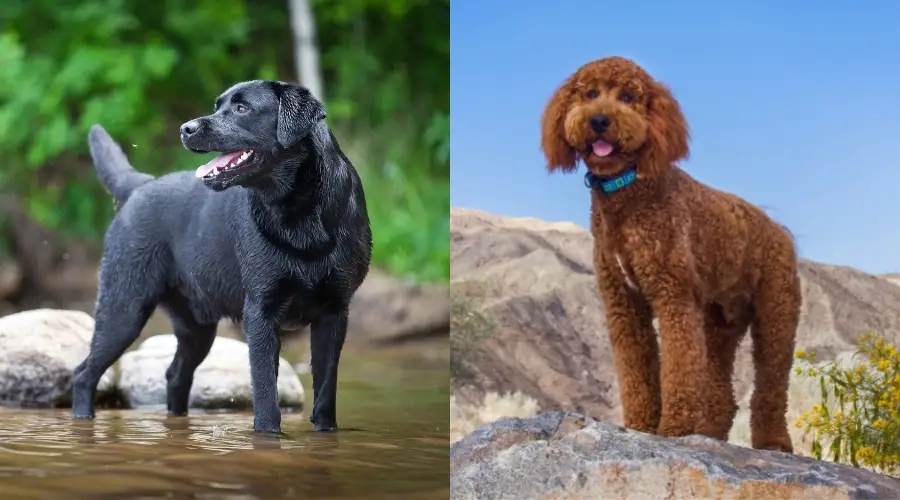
591 94
240 108
626 97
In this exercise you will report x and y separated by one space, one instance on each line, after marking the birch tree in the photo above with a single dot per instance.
306 51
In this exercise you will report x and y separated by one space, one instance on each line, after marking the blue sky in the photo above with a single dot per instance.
794 106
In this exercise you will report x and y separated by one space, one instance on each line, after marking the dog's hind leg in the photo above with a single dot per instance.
723 336
125 302
774 332
327 336
194 343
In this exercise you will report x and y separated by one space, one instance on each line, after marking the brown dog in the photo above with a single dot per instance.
706 263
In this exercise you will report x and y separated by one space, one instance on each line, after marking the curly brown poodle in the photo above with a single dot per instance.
706 263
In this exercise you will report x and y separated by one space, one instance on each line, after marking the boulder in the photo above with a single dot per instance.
567 456
39 350
222 381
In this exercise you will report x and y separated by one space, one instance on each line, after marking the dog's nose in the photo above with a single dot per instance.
599 123
190 128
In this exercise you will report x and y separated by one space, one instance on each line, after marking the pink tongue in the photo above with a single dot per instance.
602 148
217 162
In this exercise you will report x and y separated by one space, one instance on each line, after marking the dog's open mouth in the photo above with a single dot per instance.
225 162
602 148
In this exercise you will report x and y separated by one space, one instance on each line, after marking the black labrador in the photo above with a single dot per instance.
273 231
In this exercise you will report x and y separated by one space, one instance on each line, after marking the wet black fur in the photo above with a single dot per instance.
286 242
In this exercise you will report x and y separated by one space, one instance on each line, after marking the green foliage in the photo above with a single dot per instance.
858 419
469 327
142 68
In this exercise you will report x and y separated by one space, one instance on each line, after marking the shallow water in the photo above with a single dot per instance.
393 444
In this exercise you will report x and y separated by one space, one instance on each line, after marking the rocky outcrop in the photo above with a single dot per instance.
221 381
39 351
567 456
551 341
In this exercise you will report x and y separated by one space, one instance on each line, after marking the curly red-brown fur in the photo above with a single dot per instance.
706 263
558 152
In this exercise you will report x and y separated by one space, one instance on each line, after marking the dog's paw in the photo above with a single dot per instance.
82 416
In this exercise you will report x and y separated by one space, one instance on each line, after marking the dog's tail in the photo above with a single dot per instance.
115 172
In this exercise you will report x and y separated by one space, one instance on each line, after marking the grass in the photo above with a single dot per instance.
408 199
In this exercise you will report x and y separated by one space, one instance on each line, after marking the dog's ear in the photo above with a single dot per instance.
298 112
667 132
557 151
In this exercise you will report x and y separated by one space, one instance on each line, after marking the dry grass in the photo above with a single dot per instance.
466 418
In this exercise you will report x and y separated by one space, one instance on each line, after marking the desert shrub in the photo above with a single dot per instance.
469 326
858 419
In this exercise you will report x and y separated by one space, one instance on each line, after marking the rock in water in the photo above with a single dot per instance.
39 350
568 456
222 381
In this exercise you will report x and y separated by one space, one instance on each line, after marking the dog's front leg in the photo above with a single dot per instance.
261 332
636 352
327 336
682 360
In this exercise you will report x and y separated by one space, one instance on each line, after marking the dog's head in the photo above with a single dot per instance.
254 123
613 115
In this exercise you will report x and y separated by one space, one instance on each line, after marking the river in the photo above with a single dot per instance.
393 408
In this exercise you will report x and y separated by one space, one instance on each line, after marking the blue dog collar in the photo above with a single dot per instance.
610 185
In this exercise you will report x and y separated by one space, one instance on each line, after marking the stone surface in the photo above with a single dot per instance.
39 350
222 381
566 456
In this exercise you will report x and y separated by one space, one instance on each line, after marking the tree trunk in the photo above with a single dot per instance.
306 52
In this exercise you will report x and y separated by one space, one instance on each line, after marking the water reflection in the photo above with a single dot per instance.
144 454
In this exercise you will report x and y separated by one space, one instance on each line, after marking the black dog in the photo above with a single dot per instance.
279 237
